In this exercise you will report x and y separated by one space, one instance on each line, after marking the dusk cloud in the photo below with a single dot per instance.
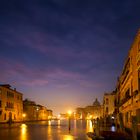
72 48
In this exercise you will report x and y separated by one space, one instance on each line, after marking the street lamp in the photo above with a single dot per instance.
23 115
69 115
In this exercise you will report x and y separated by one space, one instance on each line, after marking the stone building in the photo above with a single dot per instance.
90 112
128 87
109 104
50 113
34 112
11 105
80 113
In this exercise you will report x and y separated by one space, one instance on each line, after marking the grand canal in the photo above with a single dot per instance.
47 130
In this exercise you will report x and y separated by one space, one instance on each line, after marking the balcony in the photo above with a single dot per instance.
9 109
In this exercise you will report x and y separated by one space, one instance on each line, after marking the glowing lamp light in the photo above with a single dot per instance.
69 112
59 116
24 115
91 116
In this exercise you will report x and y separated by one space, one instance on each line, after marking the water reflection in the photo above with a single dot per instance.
75 124
89 126
23 132
68 137
49 122
48 130
113 128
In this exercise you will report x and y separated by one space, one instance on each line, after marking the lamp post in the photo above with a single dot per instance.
69 115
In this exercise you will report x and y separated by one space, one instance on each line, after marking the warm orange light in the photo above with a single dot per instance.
91 116
24 115
49 117
69 112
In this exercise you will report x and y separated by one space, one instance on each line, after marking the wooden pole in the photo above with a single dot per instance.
134 127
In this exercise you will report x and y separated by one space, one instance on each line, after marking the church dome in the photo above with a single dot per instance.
96 102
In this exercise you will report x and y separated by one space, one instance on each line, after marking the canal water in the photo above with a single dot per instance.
47 130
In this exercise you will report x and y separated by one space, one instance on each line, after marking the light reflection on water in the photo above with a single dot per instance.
49 130
89 127
49 122
113 128
67 137
23 132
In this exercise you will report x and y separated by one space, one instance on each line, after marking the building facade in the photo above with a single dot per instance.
128 87
34 112
90 112
11 105
109 104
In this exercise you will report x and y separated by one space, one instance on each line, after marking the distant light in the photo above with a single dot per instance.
91 116
59 116
112 117
49 117
69 112
24 115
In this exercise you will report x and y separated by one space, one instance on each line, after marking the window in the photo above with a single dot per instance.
10 94
107 110
126 117
107 101
127 94
9 105
5 116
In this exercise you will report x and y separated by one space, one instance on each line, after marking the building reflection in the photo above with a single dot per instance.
68 137
49 122
89 127
75 124
23 132
58 123
49 128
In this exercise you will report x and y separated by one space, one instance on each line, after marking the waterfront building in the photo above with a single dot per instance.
90 112
34 112
50 113
93 111
109 104
128 87
11 105
80 113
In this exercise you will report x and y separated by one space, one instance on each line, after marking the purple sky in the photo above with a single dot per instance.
65 53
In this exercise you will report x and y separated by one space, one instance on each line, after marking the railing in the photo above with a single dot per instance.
9 109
